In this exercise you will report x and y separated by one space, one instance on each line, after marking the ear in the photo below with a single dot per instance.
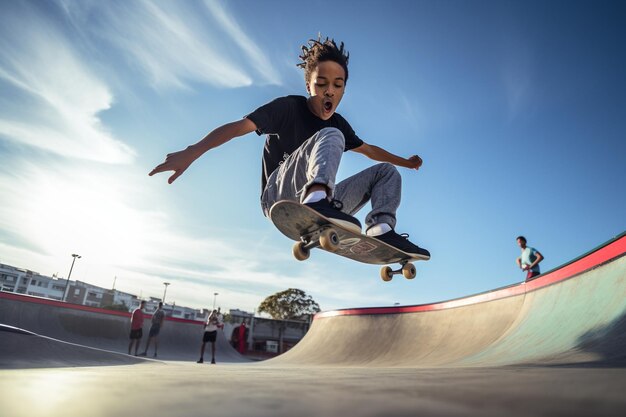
308 87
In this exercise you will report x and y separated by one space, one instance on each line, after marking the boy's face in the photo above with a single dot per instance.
326 87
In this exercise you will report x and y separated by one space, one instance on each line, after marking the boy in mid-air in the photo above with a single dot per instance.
305 142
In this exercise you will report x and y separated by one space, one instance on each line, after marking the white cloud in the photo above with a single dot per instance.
254 53
410 110
123 228
175 44
56 84
517 71
56 98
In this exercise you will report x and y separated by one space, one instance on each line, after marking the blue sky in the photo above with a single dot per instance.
518 110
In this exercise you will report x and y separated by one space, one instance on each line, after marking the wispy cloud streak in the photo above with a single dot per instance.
55 98
58 65
254 53
175 44
517 75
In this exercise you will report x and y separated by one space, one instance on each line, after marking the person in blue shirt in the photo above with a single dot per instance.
529 259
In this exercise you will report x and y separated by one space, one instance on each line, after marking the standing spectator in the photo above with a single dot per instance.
210 335
158 318
242 337
529 259
136 327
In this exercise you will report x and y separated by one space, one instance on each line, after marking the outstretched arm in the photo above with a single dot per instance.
180 161
379 154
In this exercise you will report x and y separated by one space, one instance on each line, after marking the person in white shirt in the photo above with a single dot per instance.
213 323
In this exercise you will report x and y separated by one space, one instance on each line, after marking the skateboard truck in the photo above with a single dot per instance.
407 270
325 237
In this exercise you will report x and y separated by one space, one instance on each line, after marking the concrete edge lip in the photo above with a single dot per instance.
12 329
596 257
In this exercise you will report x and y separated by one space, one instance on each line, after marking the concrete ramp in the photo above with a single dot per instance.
573 314
20 349
102 329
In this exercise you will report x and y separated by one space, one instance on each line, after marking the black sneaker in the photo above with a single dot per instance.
213 361
332 210
402 242
200 360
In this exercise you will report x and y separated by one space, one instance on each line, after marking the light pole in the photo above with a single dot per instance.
165 291
215 294
67 284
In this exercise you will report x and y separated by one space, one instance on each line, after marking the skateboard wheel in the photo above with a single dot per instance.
386 273
329 240
300 252
408 270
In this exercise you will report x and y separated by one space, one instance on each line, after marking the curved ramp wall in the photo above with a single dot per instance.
104 329
573 314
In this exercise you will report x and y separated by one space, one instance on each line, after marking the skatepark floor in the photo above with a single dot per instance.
240 390
554 346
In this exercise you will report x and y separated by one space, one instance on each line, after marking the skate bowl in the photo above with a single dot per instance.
551 346
38 328
574 314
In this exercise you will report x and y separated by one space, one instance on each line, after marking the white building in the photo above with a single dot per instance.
123 298
24 281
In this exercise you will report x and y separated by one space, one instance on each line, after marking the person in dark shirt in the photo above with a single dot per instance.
305 140
158 318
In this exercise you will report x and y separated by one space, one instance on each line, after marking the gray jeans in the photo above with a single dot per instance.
317 161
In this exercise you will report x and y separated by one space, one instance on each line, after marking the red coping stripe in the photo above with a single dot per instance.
608 252
61 304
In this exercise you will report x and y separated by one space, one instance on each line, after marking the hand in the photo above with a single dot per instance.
415 162
525 267
177 162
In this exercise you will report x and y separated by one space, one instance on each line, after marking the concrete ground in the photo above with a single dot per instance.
258 390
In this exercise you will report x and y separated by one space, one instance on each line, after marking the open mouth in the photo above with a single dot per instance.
328 106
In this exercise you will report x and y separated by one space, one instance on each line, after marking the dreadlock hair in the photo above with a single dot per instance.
319 51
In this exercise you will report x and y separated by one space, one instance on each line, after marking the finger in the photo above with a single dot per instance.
158 168
173 177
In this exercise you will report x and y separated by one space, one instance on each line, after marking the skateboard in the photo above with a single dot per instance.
312 230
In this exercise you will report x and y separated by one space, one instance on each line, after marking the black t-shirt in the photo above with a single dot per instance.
288 123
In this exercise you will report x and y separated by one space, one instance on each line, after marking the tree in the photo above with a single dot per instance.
289 305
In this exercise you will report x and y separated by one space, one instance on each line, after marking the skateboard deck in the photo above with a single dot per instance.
312 230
